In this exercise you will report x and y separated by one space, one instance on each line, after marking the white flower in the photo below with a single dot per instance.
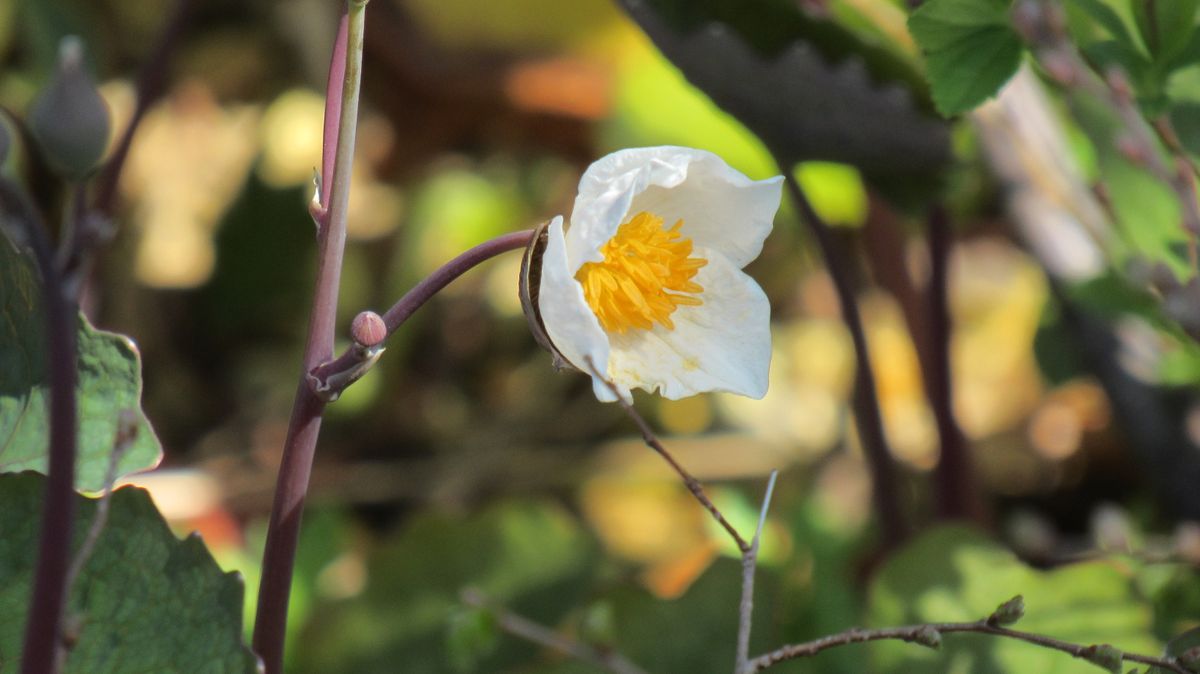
646 283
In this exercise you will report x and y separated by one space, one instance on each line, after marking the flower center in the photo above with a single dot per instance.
645 268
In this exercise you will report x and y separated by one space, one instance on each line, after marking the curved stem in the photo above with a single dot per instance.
283 532
866 400
327 375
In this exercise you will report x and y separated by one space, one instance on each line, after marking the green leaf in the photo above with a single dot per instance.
1185 647
472 636
144 602
109 383
970 50
1147 210
771 27
1103 16
956 574
806 88
1166 26
1188 55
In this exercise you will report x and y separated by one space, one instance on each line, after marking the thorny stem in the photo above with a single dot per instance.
532 632
43 628
652 441
283 532
921 633
866 401
324 375
749 566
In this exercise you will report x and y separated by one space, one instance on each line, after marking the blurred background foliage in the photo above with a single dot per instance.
464 460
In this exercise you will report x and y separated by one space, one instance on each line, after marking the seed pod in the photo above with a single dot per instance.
530 289
69 120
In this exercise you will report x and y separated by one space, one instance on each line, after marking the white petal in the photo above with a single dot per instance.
569 321
721 345
720 208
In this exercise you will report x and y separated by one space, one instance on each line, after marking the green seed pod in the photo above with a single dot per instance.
69 120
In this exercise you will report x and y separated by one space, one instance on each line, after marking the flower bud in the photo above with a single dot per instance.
69 120
1190 659
1008 613
928 636
368 329
1105 657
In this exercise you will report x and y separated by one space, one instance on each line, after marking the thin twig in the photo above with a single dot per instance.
749 566
528 630
283 532
928 634
652 441
126 433
43 627
867 415
1043 27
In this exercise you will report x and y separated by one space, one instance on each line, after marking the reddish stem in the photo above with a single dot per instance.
283 532
954 477
333 108
420 294
42 629
867 415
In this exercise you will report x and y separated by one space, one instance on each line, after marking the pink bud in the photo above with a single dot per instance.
368 329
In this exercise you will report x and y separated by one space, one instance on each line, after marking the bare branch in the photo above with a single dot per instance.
530 631
652 441
749 565
930 634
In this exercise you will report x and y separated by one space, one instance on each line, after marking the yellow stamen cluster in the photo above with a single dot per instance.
645 268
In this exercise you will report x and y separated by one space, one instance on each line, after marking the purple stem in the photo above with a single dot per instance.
283 532
442 277
333 108
423 291
150 86
953 477
866 401
42 630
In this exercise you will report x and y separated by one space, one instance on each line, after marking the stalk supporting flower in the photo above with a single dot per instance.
647 280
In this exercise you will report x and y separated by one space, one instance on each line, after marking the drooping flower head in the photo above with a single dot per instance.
646 283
